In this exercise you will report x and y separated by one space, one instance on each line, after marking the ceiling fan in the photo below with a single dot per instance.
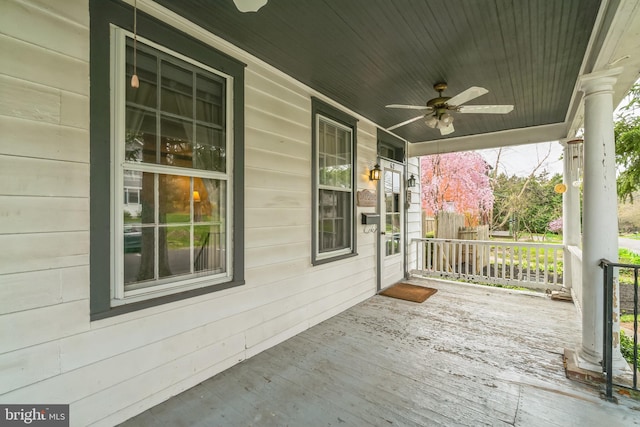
437 109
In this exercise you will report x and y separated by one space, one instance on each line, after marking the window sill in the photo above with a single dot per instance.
332 259
140 305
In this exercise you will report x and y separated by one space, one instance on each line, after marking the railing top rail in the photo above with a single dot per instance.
606 262
491 242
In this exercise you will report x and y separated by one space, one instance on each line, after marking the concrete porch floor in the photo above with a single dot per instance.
469 355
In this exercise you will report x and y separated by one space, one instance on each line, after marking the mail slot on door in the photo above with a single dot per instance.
370 218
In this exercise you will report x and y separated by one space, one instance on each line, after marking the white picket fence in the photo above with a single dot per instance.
529 265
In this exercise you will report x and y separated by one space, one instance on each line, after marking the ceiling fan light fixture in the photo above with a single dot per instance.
446 119
431 121
249 5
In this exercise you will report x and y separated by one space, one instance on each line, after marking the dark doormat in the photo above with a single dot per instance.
409 292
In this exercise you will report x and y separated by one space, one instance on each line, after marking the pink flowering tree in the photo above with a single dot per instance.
457 182
555 226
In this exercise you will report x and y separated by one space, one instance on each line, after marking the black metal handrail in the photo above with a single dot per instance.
202 254
608 268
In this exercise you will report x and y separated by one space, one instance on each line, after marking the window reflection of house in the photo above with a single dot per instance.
132 187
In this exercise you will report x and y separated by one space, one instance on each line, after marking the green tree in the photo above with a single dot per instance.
627 135
526 204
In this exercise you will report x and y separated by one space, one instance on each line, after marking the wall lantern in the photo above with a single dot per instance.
411 182
374 174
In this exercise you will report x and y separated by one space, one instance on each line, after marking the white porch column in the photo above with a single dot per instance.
570 204
600 215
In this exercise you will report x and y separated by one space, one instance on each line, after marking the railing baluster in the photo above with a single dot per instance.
454 246
536 260
504 261
545 276
511 264
554 265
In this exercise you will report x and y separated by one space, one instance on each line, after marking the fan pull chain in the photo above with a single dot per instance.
135 83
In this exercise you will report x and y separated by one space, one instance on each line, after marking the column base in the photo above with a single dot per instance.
586 372
581 369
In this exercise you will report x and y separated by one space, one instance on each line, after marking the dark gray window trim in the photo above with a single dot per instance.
385 139
319 107
103 13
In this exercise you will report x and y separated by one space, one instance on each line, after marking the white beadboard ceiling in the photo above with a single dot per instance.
366 54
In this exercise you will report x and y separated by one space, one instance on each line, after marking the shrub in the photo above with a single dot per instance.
626 347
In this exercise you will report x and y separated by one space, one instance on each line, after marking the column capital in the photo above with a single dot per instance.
599 81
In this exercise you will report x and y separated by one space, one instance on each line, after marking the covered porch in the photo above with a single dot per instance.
469 355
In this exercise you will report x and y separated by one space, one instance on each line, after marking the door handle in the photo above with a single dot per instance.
382 233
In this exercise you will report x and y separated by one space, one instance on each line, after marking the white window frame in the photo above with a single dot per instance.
170 285
350 249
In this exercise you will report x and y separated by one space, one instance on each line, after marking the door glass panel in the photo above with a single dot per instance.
392 188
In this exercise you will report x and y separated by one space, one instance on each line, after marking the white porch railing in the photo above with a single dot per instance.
530 265
573 273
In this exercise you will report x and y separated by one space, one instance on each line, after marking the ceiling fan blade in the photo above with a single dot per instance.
408 107
486 109
467 95
406 122
447 130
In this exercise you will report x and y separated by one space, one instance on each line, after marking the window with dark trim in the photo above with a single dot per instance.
334 184
175 146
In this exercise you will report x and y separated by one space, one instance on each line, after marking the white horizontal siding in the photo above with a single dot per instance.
29 101
43 214
75 12
25 291
283 180
259 275
256 257
277 217
52 31
33 252
28 138
274 198
29 365
260 158
31 327
25 61
111 369
53 178
414 213
277 143
44 188
264 236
